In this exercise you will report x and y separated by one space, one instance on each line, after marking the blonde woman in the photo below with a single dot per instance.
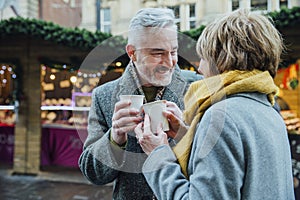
236 146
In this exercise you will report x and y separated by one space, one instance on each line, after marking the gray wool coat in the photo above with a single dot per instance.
101 162
240 151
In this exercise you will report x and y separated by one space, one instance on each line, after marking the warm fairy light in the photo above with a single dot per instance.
52 76
89 75
118 64
73 79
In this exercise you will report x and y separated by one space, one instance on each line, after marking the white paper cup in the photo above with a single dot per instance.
155 111
136 100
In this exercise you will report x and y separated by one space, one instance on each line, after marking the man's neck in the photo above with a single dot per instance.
150 92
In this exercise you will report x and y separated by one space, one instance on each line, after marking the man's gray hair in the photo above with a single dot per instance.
153 17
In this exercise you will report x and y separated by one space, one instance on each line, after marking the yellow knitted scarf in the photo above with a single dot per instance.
202 94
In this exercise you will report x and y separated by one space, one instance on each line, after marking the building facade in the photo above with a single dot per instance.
13 8
114 15
66 13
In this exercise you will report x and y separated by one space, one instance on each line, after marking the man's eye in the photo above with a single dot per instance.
156 53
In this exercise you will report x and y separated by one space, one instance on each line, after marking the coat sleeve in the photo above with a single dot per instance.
191 76
100 160
216 164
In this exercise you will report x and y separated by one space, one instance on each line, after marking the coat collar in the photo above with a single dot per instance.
256 96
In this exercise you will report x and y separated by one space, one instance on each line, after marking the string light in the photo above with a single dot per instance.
52 76
73 79
118 64
6 87
9 69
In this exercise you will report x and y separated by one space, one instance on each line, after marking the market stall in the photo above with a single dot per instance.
61 146
287 79
6 144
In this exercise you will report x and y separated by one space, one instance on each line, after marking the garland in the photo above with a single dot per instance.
72 37
86 40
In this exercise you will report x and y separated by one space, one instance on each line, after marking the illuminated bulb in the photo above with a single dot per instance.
52 76
118 64
73 79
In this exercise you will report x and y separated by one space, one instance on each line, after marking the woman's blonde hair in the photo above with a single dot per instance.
241 40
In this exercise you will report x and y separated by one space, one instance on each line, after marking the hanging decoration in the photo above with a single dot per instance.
7 84
291 77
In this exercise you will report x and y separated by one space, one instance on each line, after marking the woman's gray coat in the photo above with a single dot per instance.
240 151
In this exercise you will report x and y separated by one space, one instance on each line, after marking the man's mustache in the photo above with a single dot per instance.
163 69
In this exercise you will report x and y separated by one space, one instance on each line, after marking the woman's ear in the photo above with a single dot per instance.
130 49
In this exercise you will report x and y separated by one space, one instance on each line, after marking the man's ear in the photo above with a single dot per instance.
130 49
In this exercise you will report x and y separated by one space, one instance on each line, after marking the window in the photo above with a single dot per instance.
192 19
259 4
283 3
176 10
105 20
73 4
235 4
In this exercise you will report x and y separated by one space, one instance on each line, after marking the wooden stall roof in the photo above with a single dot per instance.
50 42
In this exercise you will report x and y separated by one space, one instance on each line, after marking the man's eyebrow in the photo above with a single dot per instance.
160 49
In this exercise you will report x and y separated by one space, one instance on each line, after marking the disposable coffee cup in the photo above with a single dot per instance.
155 111
136 100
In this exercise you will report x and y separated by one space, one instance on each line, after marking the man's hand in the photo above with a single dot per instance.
124 120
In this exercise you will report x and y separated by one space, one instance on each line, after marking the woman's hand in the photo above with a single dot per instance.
174 116
148 140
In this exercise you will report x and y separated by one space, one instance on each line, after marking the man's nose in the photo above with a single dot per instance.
169 59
